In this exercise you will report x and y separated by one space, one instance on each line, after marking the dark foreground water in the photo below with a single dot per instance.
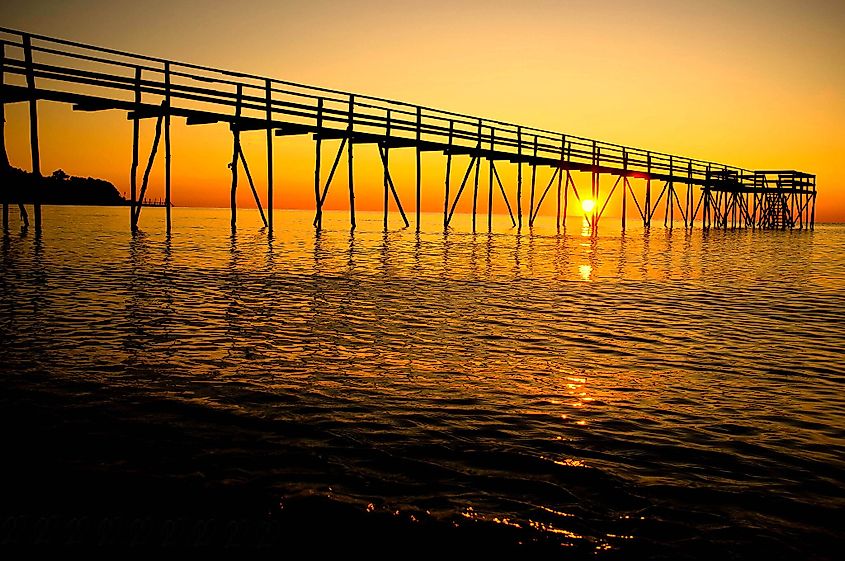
654 395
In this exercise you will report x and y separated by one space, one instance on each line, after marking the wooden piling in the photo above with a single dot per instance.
519 175
4 156
595 186
386 163
419 164
269 116
504 194
136 130
349 161
490 185
560 180
670 209
252 187
146 179
318 141
624 187
566 197
33 129
533 184
705 213
475 188
448 174
566 185
167 204
236 150
688 217
393 187
647 204
813 211
331 174
472 162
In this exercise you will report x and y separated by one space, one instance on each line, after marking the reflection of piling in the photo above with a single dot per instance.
727 197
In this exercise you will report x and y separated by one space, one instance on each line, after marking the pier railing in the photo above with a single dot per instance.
111 78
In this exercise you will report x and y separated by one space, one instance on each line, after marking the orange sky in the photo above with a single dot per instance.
758 85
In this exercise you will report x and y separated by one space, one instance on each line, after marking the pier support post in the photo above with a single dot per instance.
669 210
688 203
566 185
167 147
349 159
236 150
490 185
624 187
448 176
419 165
705 216
133 178
318 142
560 180
475 188
386 169
813 211
4 156
595 186
33 131
269 116
566 196
519 176
647 204
533 185
146 179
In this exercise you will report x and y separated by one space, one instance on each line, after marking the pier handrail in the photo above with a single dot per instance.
196 85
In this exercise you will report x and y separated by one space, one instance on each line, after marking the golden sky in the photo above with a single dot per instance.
754 84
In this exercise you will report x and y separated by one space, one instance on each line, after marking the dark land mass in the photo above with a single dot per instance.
19 186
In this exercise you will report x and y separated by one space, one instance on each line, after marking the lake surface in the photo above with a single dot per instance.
662 394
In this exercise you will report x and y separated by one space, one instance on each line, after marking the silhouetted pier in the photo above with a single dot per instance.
35 67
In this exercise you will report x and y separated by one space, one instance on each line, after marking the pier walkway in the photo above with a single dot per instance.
36 68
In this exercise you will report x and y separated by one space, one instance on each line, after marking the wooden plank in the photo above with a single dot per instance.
144 112
294 129
104 105
203 119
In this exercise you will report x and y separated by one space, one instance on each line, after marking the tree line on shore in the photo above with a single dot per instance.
59 188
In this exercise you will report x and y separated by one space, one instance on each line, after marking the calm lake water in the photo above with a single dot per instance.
664 395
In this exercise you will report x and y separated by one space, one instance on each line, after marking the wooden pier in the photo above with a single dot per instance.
36 68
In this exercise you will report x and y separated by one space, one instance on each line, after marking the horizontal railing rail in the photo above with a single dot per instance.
106 74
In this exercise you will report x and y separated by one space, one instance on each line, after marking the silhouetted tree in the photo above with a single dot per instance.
59 175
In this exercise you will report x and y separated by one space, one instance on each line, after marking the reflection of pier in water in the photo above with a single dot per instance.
97 79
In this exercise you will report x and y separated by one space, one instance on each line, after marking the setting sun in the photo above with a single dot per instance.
587 205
